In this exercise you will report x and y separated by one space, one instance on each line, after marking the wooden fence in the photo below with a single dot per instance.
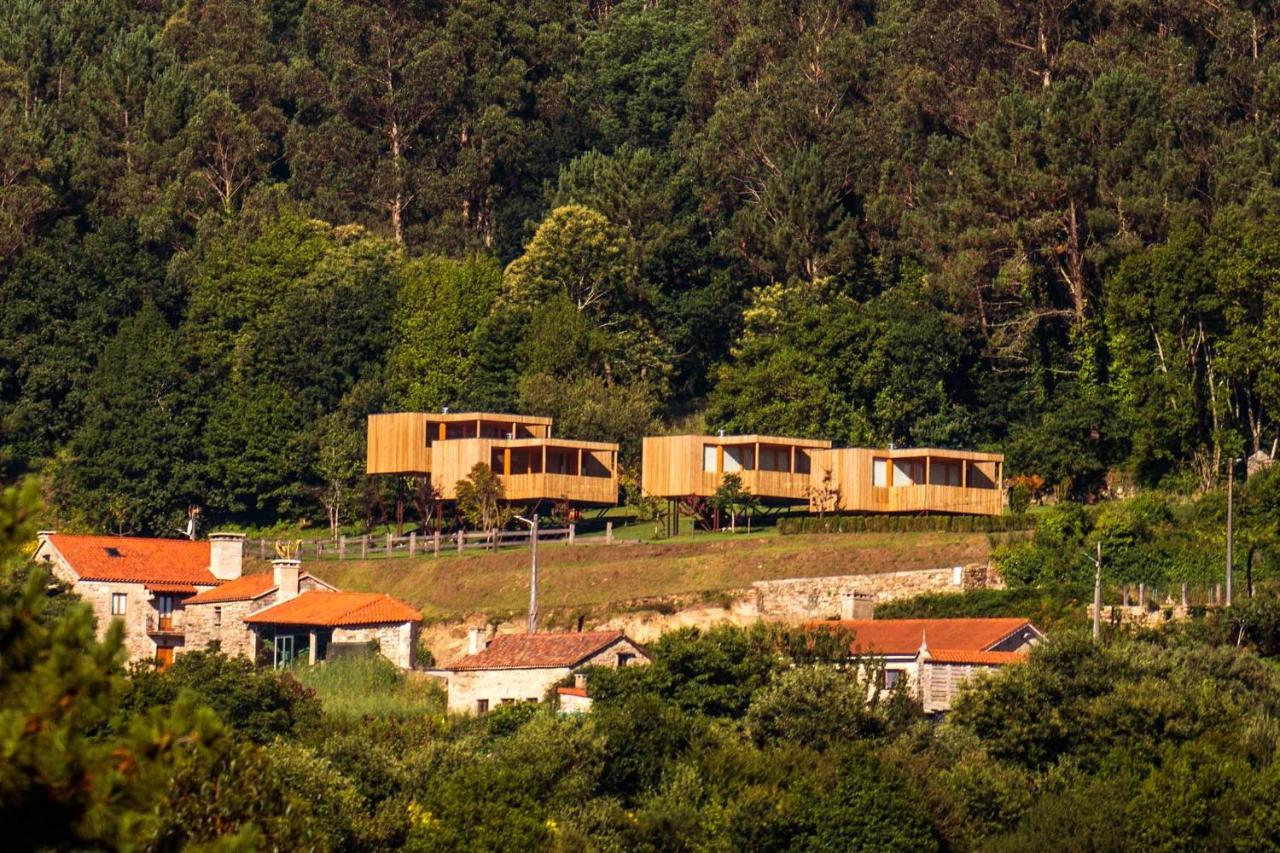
429 544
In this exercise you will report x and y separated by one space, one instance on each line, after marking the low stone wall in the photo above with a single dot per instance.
822 598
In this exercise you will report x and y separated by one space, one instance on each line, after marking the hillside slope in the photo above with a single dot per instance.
596 577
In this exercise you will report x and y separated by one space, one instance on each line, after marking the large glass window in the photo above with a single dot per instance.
908 472
879 471
709 458
944 472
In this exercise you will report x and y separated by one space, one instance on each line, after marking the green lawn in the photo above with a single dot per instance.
591 576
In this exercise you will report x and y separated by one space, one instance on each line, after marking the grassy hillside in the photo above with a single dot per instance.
594 576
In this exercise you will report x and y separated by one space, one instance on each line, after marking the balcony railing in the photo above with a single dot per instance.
174 624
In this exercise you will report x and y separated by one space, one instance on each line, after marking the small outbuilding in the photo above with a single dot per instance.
934 658
512 668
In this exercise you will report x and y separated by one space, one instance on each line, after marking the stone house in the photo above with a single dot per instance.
141 582
217 615
308 624
934 658
523 667
177 595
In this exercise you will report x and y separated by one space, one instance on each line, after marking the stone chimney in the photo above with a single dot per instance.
475 641
226 555
286 574
580 680
854 606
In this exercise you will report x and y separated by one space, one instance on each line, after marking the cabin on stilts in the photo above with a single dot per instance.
532 465
916 480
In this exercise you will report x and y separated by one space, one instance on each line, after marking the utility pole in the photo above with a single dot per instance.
1231 480
533 571
1097 592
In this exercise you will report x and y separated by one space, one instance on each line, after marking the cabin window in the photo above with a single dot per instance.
709 458
802 461
908 472
118 603
739 459
944 472
592 466
508 701
775 459
879 471
482 706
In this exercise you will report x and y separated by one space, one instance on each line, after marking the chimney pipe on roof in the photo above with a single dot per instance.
580 680
286 574
226 555
475 641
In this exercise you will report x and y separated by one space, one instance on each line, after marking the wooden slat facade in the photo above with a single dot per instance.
773 468
909 481
532 465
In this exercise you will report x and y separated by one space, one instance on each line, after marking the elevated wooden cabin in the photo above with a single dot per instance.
532 465
773 468
856 479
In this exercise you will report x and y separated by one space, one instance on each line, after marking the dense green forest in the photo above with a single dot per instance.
231 228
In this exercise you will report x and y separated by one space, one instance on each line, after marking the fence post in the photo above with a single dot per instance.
319 549
342 547
413 544
608 533
262 549
436 543
460 542
1142 595
388 544
1184 595
364 546
572 531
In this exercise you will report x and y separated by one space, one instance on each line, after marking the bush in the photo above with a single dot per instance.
820 706
259 704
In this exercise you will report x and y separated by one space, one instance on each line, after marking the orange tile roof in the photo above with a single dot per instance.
165 586
336 609
127 559
572 691
242 588
538 651
976 658
903 636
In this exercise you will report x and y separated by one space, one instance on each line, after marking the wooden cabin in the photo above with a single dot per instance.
774 469
532 465
917 480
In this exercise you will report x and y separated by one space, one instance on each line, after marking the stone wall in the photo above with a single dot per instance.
395 642
137 644
231 633
820 598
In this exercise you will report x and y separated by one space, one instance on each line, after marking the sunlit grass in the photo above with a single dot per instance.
371 687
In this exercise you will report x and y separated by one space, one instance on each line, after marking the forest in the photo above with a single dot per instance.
230 229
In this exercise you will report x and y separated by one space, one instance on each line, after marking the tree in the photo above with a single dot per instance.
733 497
480 498
339 465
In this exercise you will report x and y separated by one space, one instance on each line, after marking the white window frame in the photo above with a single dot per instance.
123 600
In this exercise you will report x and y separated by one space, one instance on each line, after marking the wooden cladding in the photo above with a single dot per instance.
771 467
801 471
532 465
917 480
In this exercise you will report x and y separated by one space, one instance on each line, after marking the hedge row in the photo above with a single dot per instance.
905 523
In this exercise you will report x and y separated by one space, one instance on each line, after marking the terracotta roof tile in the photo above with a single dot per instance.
337 609
125 559
903 636
976 658
572 691
536 651
243 588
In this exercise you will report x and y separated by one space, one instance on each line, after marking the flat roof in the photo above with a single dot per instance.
735 440
452 417
566 443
